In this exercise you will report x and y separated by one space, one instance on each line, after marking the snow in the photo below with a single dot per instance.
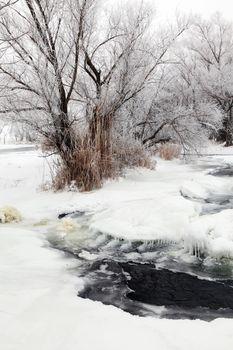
192 189
39 307
218 149
213 234
153 209
16 147
145 205
22 178
147 219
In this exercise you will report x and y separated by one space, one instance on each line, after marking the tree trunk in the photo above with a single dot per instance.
229 130
226 133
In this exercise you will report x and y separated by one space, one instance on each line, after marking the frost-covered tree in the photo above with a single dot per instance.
174 108
42 47
178 113
70 76
212 47
122 67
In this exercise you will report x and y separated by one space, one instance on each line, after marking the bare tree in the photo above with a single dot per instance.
177 110
122 68
42 44
71 78
178 113
212 46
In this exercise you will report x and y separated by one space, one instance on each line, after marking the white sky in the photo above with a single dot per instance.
167 8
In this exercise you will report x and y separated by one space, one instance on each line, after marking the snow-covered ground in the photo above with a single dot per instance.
145 205
39 307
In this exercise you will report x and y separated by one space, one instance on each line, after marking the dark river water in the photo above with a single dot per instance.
109 268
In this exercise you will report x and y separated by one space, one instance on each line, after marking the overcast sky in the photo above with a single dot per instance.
167 8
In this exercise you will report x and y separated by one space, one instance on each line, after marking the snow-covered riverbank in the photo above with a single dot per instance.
145 205
39 307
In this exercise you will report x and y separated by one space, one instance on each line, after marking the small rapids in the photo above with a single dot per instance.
110 270
214 204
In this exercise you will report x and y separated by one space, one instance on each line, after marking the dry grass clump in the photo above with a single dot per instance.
170 151
132 155
81 170
87 167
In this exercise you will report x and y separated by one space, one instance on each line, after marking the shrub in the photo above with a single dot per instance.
81 169
131 154
169 151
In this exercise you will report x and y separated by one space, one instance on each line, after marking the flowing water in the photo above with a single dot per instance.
101 258
105 262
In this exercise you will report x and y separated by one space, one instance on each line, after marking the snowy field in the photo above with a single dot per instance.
39 307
